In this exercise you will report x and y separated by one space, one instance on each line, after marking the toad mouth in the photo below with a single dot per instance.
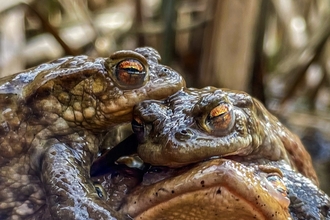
214 189
218 188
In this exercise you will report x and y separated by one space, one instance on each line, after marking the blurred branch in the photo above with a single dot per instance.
155 28
12 42
226 59
290 69
290 16
139 21
53 31
5 5
169 15
258 70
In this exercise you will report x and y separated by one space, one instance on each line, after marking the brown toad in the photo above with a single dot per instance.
196 124
53 118
217 140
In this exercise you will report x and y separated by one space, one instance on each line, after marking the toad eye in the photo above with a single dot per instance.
139 129
220 119
130 73
278 189
100 190
278 184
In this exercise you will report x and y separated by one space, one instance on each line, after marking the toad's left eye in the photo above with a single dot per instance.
220 119
138 127
130 73
278 184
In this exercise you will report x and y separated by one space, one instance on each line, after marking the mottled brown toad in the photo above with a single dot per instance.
53 118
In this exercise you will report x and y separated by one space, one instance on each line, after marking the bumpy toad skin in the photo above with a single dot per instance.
116 184
219 189
196 124
204 124
216 189
307 201
53 118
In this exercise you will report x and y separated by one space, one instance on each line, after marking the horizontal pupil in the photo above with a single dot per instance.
132 71
218 115
219 111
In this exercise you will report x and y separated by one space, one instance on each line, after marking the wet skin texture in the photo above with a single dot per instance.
53 118
215 189
306 200
194 125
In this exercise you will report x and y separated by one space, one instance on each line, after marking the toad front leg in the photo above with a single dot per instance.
70 193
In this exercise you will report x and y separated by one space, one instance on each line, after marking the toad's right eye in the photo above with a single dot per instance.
130 73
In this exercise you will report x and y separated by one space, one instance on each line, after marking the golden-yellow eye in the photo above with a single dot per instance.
130 73
219 111
220 119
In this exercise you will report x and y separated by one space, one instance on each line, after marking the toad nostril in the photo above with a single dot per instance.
187 132
183 132
164 71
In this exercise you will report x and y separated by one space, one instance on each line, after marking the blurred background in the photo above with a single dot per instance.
276 50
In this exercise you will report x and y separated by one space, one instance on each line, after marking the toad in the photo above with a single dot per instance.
53 118
218 188
230 143
215 189
196 124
